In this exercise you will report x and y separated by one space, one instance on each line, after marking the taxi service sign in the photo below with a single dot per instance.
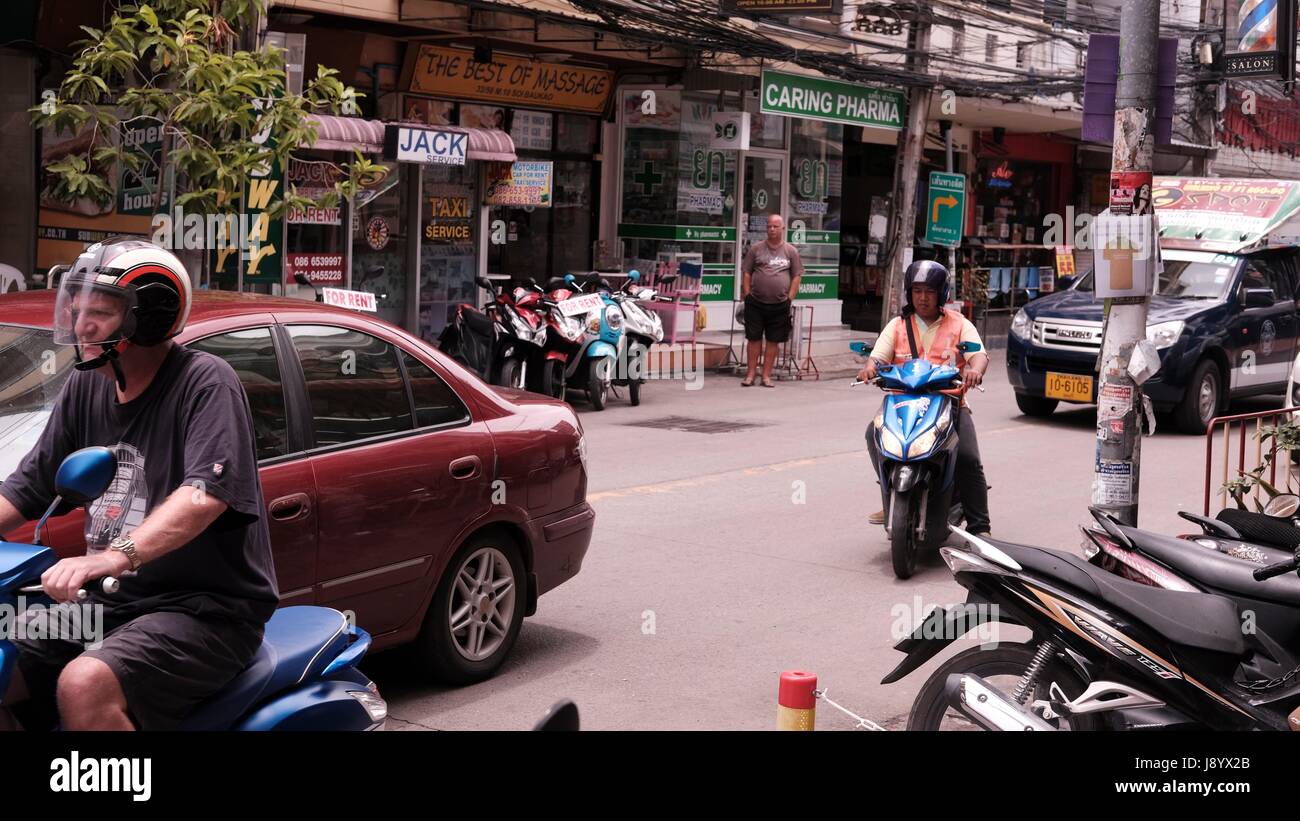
945 209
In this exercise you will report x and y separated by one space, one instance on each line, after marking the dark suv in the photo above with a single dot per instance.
1225 326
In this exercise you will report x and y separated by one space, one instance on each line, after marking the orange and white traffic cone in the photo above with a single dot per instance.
796 705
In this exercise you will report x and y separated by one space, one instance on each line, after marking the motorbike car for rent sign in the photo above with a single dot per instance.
519 183
817 98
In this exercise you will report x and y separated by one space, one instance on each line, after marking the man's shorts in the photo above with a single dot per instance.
166 663
767 319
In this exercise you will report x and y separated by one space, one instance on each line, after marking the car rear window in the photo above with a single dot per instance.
353 382
32 372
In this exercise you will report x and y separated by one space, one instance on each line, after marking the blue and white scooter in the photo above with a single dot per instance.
304 676
915 434
593 366
642 328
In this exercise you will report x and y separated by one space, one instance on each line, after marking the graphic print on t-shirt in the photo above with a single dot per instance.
123 506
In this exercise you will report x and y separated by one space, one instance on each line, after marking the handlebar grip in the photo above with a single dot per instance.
108 584
1275 570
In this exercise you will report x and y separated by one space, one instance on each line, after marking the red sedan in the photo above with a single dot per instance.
399 487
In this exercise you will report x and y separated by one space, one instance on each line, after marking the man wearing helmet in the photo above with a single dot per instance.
180 524
928 330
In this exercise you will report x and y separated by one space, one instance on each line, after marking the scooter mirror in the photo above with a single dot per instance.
85 475
562 717
859 348
634 275
969 347
1283 506
569 278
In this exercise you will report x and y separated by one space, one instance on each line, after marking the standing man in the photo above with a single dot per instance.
771 273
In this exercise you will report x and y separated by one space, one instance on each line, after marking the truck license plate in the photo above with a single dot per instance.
1070 387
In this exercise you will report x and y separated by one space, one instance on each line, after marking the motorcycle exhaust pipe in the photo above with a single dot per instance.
988 707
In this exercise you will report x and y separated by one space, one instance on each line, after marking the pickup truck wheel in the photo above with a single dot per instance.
1035 405
1201 402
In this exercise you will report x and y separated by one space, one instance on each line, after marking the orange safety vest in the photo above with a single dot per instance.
943 350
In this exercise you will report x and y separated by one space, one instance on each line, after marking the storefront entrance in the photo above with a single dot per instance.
763 194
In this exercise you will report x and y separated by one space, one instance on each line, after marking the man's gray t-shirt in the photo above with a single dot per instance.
191 427
771 271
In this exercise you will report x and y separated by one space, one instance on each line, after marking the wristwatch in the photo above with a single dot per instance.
125 545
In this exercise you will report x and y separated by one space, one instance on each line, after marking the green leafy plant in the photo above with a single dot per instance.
224 111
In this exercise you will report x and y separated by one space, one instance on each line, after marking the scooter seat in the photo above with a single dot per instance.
1202 620
1219 571
299 643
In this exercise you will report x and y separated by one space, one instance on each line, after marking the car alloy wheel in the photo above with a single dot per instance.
482 604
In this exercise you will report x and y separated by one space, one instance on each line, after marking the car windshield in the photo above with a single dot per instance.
1188 276
32 370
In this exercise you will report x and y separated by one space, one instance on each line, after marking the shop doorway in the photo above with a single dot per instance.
762 195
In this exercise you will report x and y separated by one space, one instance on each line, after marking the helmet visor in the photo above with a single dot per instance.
90 312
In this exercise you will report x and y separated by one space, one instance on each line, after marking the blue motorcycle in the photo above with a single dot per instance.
593 366
915 434
304 676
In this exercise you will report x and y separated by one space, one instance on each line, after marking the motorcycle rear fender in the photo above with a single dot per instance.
937 631
318 705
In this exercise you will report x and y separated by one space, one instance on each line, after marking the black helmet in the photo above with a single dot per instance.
929 273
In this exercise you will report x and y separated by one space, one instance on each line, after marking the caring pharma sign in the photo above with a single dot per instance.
815 98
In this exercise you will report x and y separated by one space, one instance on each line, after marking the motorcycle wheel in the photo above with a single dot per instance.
597 385
512 373
903 545
1002 667
553 379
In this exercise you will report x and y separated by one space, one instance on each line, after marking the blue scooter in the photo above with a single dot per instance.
304 676
915 434
593 366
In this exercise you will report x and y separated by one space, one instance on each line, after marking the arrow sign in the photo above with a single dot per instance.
947 209
948 202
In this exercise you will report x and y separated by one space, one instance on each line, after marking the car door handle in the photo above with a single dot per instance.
466 467
291 507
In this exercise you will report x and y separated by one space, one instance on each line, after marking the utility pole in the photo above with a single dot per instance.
910 145
1119 397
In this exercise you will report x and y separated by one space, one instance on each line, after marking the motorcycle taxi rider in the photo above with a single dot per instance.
182 525
928 330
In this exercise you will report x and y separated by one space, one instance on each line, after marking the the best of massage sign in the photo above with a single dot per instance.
505 80
816 98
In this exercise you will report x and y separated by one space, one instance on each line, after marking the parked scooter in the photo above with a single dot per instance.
1221 559
642 328
1105 652
915 434
498 341
592 368
304 676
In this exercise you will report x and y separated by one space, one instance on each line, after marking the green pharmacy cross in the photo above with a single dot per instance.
648 179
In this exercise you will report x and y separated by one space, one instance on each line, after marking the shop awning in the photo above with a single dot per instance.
367 136
347 134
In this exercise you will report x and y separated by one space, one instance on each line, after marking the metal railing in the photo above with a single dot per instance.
1223 425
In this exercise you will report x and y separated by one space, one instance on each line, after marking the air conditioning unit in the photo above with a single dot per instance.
295 46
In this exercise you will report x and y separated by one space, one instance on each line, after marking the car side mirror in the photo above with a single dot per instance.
1259 298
